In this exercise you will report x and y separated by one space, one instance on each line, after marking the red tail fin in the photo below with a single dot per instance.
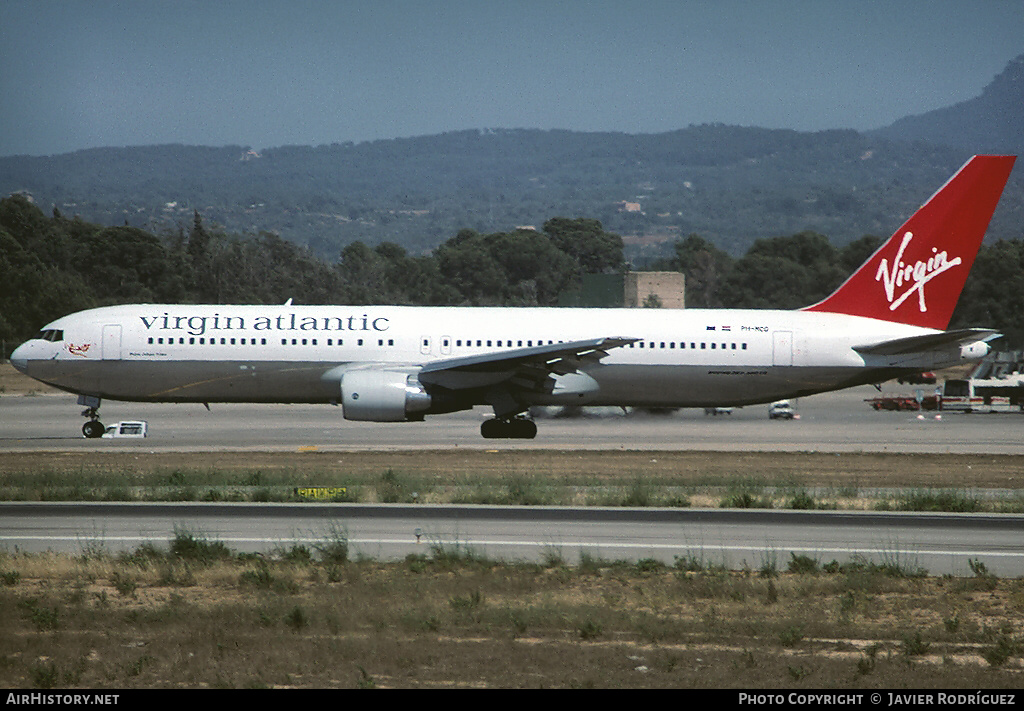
917 276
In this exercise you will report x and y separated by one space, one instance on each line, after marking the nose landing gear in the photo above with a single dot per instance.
92 429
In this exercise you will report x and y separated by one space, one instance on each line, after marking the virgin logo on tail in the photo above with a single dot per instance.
920 273
953 221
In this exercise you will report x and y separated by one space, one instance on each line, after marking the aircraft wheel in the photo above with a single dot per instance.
93 429
524 429
492 429
518 428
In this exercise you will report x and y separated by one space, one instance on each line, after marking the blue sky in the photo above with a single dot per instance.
87 73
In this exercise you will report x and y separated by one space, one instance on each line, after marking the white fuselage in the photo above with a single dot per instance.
685 358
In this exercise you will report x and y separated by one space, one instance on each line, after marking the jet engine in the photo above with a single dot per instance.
974 351
378 395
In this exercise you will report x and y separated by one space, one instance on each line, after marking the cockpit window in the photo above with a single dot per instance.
53 335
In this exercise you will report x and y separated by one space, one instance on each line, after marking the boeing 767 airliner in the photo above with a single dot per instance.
401 363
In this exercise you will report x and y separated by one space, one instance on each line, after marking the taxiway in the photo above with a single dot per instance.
830 422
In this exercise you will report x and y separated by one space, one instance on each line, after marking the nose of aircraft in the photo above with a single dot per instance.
19 358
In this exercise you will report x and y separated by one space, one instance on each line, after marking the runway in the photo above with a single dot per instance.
834 422
937 544
830 422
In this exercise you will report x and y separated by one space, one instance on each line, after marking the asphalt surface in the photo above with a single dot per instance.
738 539
834 422
830 422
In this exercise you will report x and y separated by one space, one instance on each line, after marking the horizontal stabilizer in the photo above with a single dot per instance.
928 342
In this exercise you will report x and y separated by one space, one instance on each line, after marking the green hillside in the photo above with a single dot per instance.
730 185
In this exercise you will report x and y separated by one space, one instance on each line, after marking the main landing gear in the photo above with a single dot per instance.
92 429
510 428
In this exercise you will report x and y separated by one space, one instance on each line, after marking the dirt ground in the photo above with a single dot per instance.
851 471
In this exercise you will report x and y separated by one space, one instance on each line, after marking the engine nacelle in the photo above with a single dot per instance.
378 395
974 351
571 387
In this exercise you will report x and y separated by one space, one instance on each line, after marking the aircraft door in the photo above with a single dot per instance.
446 345
425 345
112 342
782 348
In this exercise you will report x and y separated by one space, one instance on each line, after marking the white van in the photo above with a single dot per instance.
130 428
781 410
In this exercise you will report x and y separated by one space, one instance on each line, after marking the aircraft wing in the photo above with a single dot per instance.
522 367
928 342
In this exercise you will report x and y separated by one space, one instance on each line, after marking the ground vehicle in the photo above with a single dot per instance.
906 402
984 395
717 411
995 385
781 410
129 428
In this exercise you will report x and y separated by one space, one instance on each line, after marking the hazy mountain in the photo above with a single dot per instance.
990 123
731 185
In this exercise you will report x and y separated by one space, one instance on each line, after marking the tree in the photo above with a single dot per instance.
32 293
198 240
536 271
469 266
784 273
857 252
583 239
705 267
993 296
361 273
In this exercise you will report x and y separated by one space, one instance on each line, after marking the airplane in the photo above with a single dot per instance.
402 363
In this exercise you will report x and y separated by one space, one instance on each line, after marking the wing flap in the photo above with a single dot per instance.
521 367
